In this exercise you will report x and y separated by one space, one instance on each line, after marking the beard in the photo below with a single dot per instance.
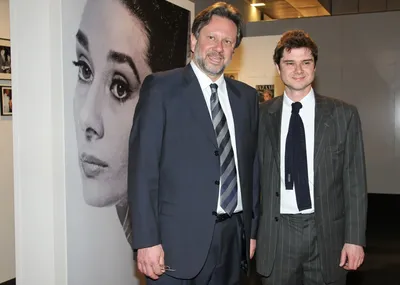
213 71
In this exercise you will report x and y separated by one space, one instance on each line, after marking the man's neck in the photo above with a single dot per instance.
212 77
297 95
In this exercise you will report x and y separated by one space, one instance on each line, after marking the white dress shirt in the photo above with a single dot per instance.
307 114
205 82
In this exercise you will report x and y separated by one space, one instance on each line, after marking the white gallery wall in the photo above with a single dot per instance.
7 245
4 19
38 145
253 62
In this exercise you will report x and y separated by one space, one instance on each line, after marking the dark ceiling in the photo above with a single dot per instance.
284 9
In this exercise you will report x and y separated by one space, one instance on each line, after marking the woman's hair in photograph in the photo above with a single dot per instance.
167 26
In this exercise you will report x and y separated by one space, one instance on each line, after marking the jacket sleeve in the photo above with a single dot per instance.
354 183
145 145
256 176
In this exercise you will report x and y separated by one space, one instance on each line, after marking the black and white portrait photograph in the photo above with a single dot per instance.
109 48
118 44
5 59
6 100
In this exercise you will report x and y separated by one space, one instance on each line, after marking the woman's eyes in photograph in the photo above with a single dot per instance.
85 73
120 87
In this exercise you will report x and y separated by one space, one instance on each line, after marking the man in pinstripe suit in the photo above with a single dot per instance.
311 236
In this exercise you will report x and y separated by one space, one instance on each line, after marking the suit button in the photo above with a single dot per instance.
276 219
216 182
216 153
277 194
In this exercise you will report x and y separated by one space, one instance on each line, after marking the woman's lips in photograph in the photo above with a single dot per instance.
92 166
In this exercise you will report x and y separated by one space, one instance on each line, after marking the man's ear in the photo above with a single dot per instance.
278 68
193 42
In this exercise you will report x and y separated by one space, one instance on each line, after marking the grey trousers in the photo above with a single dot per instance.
297 259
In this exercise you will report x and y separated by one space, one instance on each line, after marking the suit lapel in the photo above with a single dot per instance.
240 118
323 115
273 128
237 113
195 101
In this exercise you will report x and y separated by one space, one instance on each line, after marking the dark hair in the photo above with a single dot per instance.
167 27
221 9
295 39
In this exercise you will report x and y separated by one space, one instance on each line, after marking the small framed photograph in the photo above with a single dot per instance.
5 59
232 75
6 100
265 92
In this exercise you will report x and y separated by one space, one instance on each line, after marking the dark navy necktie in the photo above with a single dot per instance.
228 178
296 172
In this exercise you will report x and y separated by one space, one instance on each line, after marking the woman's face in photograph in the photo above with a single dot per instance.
111 57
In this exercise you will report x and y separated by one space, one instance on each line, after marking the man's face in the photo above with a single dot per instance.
297 70
213 49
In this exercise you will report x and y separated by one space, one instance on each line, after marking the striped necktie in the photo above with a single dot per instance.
228 178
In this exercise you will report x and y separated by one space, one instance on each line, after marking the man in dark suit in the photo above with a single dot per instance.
191 155
313 184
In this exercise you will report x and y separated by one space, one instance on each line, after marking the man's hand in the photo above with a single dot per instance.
253 244
150 261
352 256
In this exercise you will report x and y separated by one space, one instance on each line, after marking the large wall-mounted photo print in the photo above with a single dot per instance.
118 43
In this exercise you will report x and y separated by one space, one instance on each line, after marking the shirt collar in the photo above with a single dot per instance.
308 100
203 79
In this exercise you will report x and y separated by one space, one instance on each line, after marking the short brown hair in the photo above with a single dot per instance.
295 39
221 9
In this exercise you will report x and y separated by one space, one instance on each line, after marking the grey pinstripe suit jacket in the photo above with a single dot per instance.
340 193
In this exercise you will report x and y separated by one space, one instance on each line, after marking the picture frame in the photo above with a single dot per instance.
265 92
6 100
232 75
5 59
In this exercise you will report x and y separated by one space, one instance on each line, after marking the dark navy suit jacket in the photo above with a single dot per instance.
174 167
